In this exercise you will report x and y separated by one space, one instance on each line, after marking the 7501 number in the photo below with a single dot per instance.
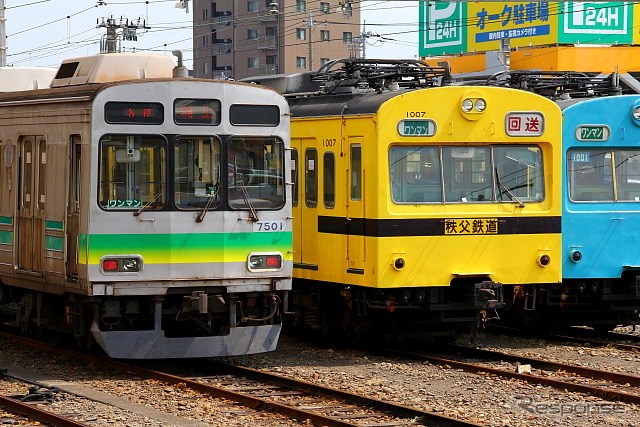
262 226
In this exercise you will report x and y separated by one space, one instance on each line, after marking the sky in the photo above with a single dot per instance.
43 32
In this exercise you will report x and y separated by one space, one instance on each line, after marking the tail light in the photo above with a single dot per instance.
264 262
121 264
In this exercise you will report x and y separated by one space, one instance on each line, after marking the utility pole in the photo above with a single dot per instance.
3 36
309 39
360 42
311 24
109 44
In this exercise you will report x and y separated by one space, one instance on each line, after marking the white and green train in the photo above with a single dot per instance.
148 214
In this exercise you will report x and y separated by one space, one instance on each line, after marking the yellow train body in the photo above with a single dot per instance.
363 247
415 201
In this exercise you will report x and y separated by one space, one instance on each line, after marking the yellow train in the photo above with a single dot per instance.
414 201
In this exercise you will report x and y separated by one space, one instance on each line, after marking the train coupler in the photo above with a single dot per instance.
488 295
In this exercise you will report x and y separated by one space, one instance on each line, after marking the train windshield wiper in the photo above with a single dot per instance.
507 189
146 205
247 200
207 205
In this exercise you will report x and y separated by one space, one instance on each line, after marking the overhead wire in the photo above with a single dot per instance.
293 19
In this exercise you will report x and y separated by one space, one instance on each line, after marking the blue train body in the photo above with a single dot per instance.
601 211
601 202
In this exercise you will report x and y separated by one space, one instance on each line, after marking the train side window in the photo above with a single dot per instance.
311 178
197 172
26 144
356 172
329 180
3 171
256 173
42 165
294 176
627 172
133 172
74 182
589 175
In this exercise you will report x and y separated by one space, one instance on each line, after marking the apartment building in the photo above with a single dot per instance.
243 38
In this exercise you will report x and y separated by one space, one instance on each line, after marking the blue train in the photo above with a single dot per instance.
601 203
601 212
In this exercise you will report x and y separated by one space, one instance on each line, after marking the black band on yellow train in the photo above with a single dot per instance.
434 226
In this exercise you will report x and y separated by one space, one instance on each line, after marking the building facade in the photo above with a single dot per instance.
244 38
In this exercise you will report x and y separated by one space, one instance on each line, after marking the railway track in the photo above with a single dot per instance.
604 384
32 405
321 405
578 336
295 399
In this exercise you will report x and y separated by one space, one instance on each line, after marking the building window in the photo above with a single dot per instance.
301 5
252 6
252 34
205 68
252 62
272 31
324 35
301 34
272 60
347 37
324 7
301 62
205 14
324 61
205 40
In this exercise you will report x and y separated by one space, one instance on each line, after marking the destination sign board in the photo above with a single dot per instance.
417 127
592 133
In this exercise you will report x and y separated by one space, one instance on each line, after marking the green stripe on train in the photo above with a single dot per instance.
54 243
54 225
183 248
6 237
6 220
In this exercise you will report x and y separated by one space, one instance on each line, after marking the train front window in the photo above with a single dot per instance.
466 174
132 172
590 175
415 174
518 173
256 173
603 175
197 172
627 172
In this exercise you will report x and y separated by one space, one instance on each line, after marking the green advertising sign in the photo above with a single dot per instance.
596 22
442 27
457 27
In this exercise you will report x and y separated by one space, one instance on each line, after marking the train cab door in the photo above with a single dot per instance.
31 200
305 201
73 208
355 208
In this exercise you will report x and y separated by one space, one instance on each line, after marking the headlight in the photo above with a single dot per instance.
480 105
467 105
